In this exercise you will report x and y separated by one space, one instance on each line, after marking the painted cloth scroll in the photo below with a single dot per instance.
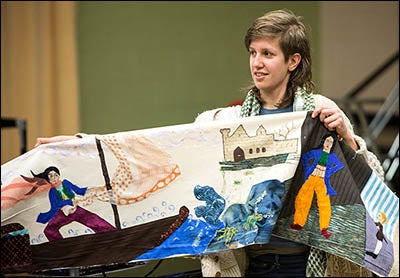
193 189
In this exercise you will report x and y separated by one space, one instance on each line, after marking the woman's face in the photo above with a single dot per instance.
53 177
269 70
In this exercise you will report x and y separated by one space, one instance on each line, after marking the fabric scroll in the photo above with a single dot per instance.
193 189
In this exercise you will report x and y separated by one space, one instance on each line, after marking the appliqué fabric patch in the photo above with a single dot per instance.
15 246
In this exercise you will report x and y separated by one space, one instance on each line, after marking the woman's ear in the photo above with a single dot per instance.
294 61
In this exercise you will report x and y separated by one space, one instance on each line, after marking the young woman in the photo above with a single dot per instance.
280 66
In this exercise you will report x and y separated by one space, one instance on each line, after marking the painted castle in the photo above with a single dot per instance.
240 146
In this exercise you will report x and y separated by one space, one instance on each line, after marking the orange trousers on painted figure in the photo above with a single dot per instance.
304 199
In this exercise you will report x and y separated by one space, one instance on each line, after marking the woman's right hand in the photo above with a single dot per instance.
59 138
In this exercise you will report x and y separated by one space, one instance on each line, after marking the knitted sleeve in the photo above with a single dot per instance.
232 112
230 263
369 157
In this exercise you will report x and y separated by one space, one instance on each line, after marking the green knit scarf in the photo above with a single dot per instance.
303 101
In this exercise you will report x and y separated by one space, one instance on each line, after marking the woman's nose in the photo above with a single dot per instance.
256 62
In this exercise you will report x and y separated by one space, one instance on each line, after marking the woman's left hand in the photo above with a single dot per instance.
333 120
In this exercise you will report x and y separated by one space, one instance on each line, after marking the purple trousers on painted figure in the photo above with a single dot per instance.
81 215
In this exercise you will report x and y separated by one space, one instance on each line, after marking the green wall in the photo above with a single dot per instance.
146 64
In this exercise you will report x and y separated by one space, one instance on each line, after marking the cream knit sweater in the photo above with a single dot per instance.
233 263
